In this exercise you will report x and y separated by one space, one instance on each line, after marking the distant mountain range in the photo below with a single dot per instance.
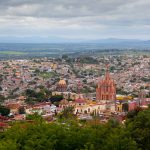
109 43
115 40
122 43
62 40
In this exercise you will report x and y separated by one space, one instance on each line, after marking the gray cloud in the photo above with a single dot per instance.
61 8
75 18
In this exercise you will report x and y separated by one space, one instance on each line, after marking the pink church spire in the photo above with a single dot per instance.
107 75
106 89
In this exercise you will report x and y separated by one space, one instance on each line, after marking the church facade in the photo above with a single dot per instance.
106 90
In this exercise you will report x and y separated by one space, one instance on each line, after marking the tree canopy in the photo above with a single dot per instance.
4 111
39 135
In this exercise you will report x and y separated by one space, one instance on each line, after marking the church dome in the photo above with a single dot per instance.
62 82
62 86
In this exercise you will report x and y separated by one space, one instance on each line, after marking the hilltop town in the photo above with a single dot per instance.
104 86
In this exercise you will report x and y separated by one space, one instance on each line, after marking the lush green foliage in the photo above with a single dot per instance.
2 98
4 111
87 60
139 126
56 98
73 135
33 96
34 117
21 110
52 136
67 113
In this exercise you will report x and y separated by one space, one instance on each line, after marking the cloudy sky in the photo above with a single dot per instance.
73 20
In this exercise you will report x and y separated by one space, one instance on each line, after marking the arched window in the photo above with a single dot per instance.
85 112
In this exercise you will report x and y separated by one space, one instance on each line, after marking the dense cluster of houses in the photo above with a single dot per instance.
76 84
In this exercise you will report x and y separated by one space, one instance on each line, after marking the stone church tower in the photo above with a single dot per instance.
106 89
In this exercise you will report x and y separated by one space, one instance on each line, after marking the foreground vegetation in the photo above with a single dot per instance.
70 134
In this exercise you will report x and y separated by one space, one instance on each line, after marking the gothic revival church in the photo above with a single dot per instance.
106 90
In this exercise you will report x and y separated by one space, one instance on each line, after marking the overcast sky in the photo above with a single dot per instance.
68 20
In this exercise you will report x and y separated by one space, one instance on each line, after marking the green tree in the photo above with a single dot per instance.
64 56
22 110
67 113
8 145
120 139
4 111
35 117
139 128
2 98
56 98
